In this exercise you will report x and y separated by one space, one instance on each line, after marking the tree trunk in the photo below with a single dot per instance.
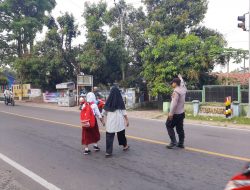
31 46
123 73
19 47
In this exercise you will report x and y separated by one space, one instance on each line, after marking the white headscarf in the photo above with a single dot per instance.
91 97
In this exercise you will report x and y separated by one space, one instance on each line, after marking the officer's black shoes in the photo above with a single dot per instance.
171 146
180 146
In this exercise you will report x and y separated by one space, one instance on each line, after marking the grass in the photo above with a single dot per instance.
235 120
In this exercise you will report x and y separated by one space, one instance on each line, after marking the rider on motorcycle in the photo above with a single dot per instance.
7 94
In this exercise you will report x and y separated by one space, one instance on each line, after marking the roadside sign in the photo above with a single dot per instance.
85 80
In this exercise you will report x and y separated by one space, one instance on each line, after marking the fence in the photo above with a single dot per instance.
194 95
217 93
244 96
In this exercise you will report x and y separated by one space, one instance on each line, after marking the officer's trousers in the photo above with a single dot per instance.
176 122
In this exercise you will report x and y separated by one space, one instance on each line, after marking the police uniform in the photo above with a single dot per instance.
178 113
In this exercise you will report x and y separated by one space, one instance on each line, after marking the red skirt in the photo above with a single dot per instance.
90 135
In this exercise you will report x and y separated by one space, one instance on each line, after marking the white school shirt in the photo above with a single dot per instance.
115 121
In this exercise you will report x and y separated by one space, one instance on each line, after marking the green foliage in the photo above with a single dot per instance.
21 20
135 23
92 58
232 54
3 80
156 44
68 29
53 60
174 16
172 50
172 55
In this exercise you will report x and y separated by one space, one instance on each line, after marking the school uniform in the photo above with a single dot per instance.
115 124
115 112
91 135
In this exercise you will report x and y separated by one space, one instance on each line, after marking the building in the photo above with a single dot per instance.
234 78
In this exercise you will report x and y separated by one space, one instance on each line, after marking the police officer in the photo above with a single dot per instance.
177 114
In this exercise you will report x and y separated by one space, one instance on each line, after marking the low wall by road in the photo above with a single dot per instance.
214 109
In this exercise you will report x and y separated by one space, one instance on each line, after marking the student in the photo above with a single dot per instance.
117 119
91 135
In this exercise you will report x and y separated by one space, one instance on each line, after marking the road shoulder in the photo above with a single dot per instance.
11 179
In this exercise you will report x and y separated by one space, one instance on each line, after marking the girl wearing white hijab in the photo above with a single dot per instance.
91 135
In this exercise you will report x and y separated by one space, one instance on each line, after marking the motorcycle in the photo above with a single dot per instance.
9 100
240 181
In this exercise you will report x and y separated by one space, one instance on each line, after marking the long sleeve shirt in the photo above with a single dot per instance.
178 99
115 121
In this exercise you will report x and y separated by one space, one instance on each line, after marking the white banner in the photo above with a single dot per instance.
35 93
51 97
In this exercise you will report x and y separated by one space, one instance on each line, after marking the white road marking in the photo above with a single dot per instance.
29 173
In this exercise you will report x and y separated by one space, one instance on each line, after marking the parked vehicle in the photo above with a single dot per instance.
240 181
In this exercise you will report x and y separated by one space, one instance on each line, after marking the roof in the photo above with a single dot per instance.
235 78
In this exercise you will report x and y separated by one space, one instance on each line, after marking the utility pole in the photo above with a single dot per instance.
121 18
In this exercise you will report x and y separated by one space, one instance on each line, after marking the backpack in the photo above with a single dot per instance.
87 116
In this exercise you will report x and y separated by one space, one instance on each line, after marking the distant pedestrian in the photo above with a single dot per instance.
177 113
97 92
91 134
117 120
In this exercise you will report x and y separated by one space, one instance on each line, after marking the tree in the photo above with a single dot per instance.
53 60
134 24
3 80
174 16
172 55
21 20
215 44
115 55
68 31
7 51
92 58
177 44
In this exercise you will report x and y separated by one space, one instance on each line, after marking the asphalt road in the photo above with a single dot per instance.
47 142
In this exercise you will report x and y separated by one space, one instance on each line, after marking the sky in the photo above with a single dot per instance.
221 16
